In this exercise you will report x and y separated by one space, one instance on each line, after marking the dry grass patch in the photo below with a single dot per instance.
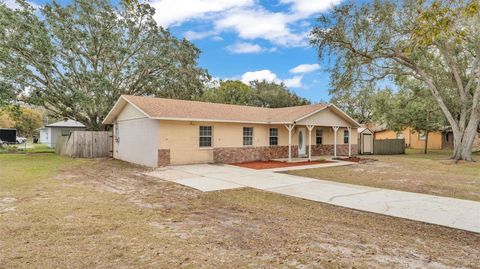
414 172
104 213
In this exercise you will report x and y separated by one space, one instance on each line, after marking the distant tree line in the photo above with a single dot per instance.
257 93
26 120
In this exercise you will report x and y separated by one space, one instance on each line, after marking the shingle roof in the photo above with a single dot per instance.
66 123
172 108
162 108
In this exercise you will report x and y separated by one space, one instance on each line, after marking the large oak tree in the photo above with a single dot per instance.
77 59
434 42
409 107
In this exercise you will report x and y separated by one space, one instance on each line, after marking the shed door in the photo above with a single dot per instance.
367 143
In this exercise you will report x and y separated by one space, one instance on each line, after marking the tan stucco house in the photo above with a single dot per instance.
416 140
157 131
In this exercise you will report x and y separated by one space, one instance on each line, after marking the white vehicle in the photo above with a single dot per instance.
21 140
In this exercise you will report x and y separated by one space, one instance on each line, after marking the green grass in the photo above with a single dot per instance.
433 154
29 147
23 170
40 148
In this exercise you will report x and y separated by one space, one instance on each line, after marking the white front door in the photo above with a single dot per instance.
302 142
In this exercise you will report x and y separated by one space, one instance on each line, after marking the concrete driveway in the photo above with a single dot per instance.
454 213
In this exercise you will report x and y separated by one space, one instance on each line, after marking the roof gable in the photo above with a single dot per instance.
66 123
325 117
130 112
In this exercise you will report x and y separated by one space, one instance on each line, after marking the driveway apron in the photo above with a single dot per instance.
449 212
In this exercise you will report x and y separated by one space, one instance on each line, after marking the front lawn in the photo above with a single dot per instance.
57 212
433 174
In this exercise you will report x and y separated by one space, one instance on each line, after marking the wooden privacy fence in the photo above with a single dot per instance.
85 144
389 146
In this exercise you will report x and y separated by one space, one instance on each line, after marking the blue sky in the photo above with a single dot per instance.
251 39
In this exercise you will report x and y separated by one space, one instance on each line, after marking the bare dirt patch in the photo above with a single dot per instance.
355 159
108 214
275 164
7 204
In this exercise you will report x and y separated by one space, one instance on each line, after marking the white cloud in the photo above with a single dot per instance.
217 38
272 49
304 68
191 35
260 23
213 82
309 7
267 75
295 82
246 18
12 4
170 12
241 48
260 75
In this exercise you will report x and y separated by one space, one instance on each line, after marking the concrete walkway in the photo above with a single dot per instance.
454 213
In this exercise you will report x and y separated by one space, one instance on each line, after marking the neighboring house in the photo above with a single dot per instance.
416 140
476 142
50 133
156 131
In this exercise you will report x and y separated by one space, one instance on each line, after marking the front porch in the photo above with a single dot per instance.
301 149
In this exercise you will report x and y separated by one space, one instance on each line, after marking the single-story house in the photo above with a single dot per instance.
50 132
157 131
476 141
416 140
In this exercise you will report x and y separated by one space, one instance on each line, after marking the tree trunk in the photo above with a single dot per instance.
463 142
425 150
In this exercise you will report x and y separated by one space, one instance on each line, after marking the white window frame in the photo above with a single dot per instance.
273 136
318 135
250 137
346 136
63 132
203 135
422 136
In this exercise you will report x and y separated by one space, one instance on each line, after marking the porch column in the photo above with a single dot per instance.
335 129
290 128
310 127
349 141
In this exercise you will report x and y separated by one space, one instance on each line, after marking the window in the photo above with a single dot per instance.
346 137
65 132
205 136
422 136
318 136
247 136
273 136
117 133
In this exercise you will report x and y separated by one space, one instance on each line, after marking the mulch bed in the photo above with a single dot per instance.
275 164
355 159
